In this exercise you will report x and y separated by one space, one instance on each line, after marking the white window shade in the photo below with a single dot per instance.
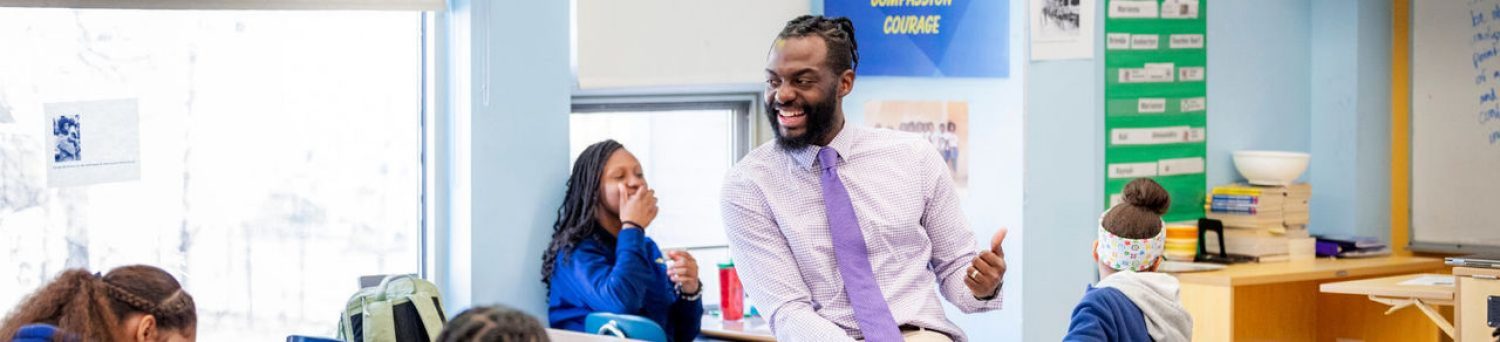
411 5
664 43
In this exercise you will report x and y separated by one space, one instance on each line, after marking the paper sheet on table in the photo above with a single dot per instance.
1429 280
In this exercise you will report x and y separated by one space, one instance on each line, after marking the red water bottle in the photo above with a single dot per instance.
731 294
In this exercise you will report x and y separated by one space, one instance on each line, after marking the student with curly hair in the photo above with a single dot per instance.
130 303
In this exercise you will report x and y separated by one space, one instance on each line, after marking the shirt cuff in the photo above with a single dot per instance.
992 296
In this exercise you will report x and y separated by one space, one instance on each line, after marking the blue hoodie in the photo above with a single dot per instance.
1106 314
628 276
1131 306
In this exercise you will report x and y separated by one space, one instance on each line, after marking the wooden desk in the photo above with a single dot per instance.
748 329
1281 302
1392 291
1475 286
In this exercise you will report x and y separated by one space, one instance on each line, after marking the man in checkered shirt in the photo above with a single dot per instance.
844 233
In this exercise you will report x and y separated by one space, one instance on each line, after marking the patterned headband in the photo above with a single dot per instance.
1122 254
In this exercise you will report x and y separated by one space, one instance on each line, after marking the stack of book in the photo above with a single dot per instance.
1277 209
1259 244
1259 221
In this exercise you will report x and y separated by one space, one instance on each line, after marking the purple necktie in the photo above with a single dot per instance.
875 320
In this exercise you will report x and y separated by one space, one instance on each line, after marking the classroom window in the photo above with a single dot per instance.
280 152
685 148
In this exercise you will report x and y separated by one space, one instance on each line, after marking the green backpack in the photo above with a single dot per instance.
403 308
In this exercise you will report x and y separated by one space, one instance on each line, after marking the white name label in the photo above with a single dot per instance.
1117 41
1194 104
1157 105
1144 75
1195 134
1180 166
1145 42
1185 41
1132 9
1179 9
1156 135
1132 170
1190 73
1149 136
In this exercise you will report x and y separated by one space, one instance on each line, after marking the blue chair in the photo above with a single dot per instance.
626 326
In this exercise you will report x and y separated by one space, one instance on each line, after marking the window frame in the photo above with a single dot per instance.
426 250
744 102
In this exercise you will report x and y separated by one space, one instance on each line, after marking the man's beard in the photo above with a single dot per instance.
818 124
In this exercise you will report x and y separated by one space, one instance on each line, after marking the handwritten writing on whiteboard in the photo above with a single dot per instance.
1486 51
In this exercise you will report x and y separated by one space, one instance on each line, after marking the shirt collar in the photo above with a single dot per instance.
843 141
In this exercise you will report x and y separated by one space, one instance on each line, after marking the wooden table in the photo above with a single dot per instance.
1394 292
1281 302
748 329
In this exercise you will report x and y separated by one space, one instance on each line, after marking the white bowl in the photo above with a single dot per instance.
1275 168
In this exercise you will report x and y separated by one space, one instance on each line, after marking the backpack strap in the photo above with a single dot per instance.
380 322
432 318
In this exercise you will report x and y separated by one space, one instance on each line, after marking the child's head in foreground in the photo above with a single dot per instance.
1132 235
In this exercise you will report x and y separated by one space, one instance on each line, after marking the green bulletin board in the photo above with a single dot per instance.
1155 104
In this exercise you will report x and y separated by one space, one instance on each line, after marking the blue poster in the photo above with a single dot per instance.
929 38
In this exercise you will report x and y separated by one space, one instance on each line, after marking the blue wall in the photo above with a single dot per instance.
509 149
1258 89
1351 117
1063 182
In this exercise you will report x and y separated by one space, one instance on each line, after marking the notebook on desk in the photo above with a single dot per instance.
1486 260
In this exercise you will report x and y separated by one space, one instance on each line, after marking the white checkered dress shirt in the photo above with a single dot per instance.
908 210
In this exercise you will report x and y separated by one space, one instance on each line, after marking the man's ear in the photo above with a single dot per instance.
846 82
146 329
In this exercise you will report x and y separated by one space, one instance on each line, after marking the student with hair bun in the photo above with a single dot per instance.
130 303
1132 302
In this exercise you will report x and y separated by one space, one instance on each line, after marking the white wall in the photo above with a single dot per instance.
676 42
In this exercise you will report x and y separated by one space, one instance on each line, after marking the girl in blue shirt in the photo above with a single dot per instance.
600 259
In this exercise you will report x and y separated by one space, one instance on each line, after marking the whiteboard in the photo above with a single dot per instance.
1455 118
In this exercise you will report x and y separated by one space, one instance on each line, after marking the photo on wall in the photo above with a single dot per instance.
1059 20
1061 29
65 136
943 123
93 142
